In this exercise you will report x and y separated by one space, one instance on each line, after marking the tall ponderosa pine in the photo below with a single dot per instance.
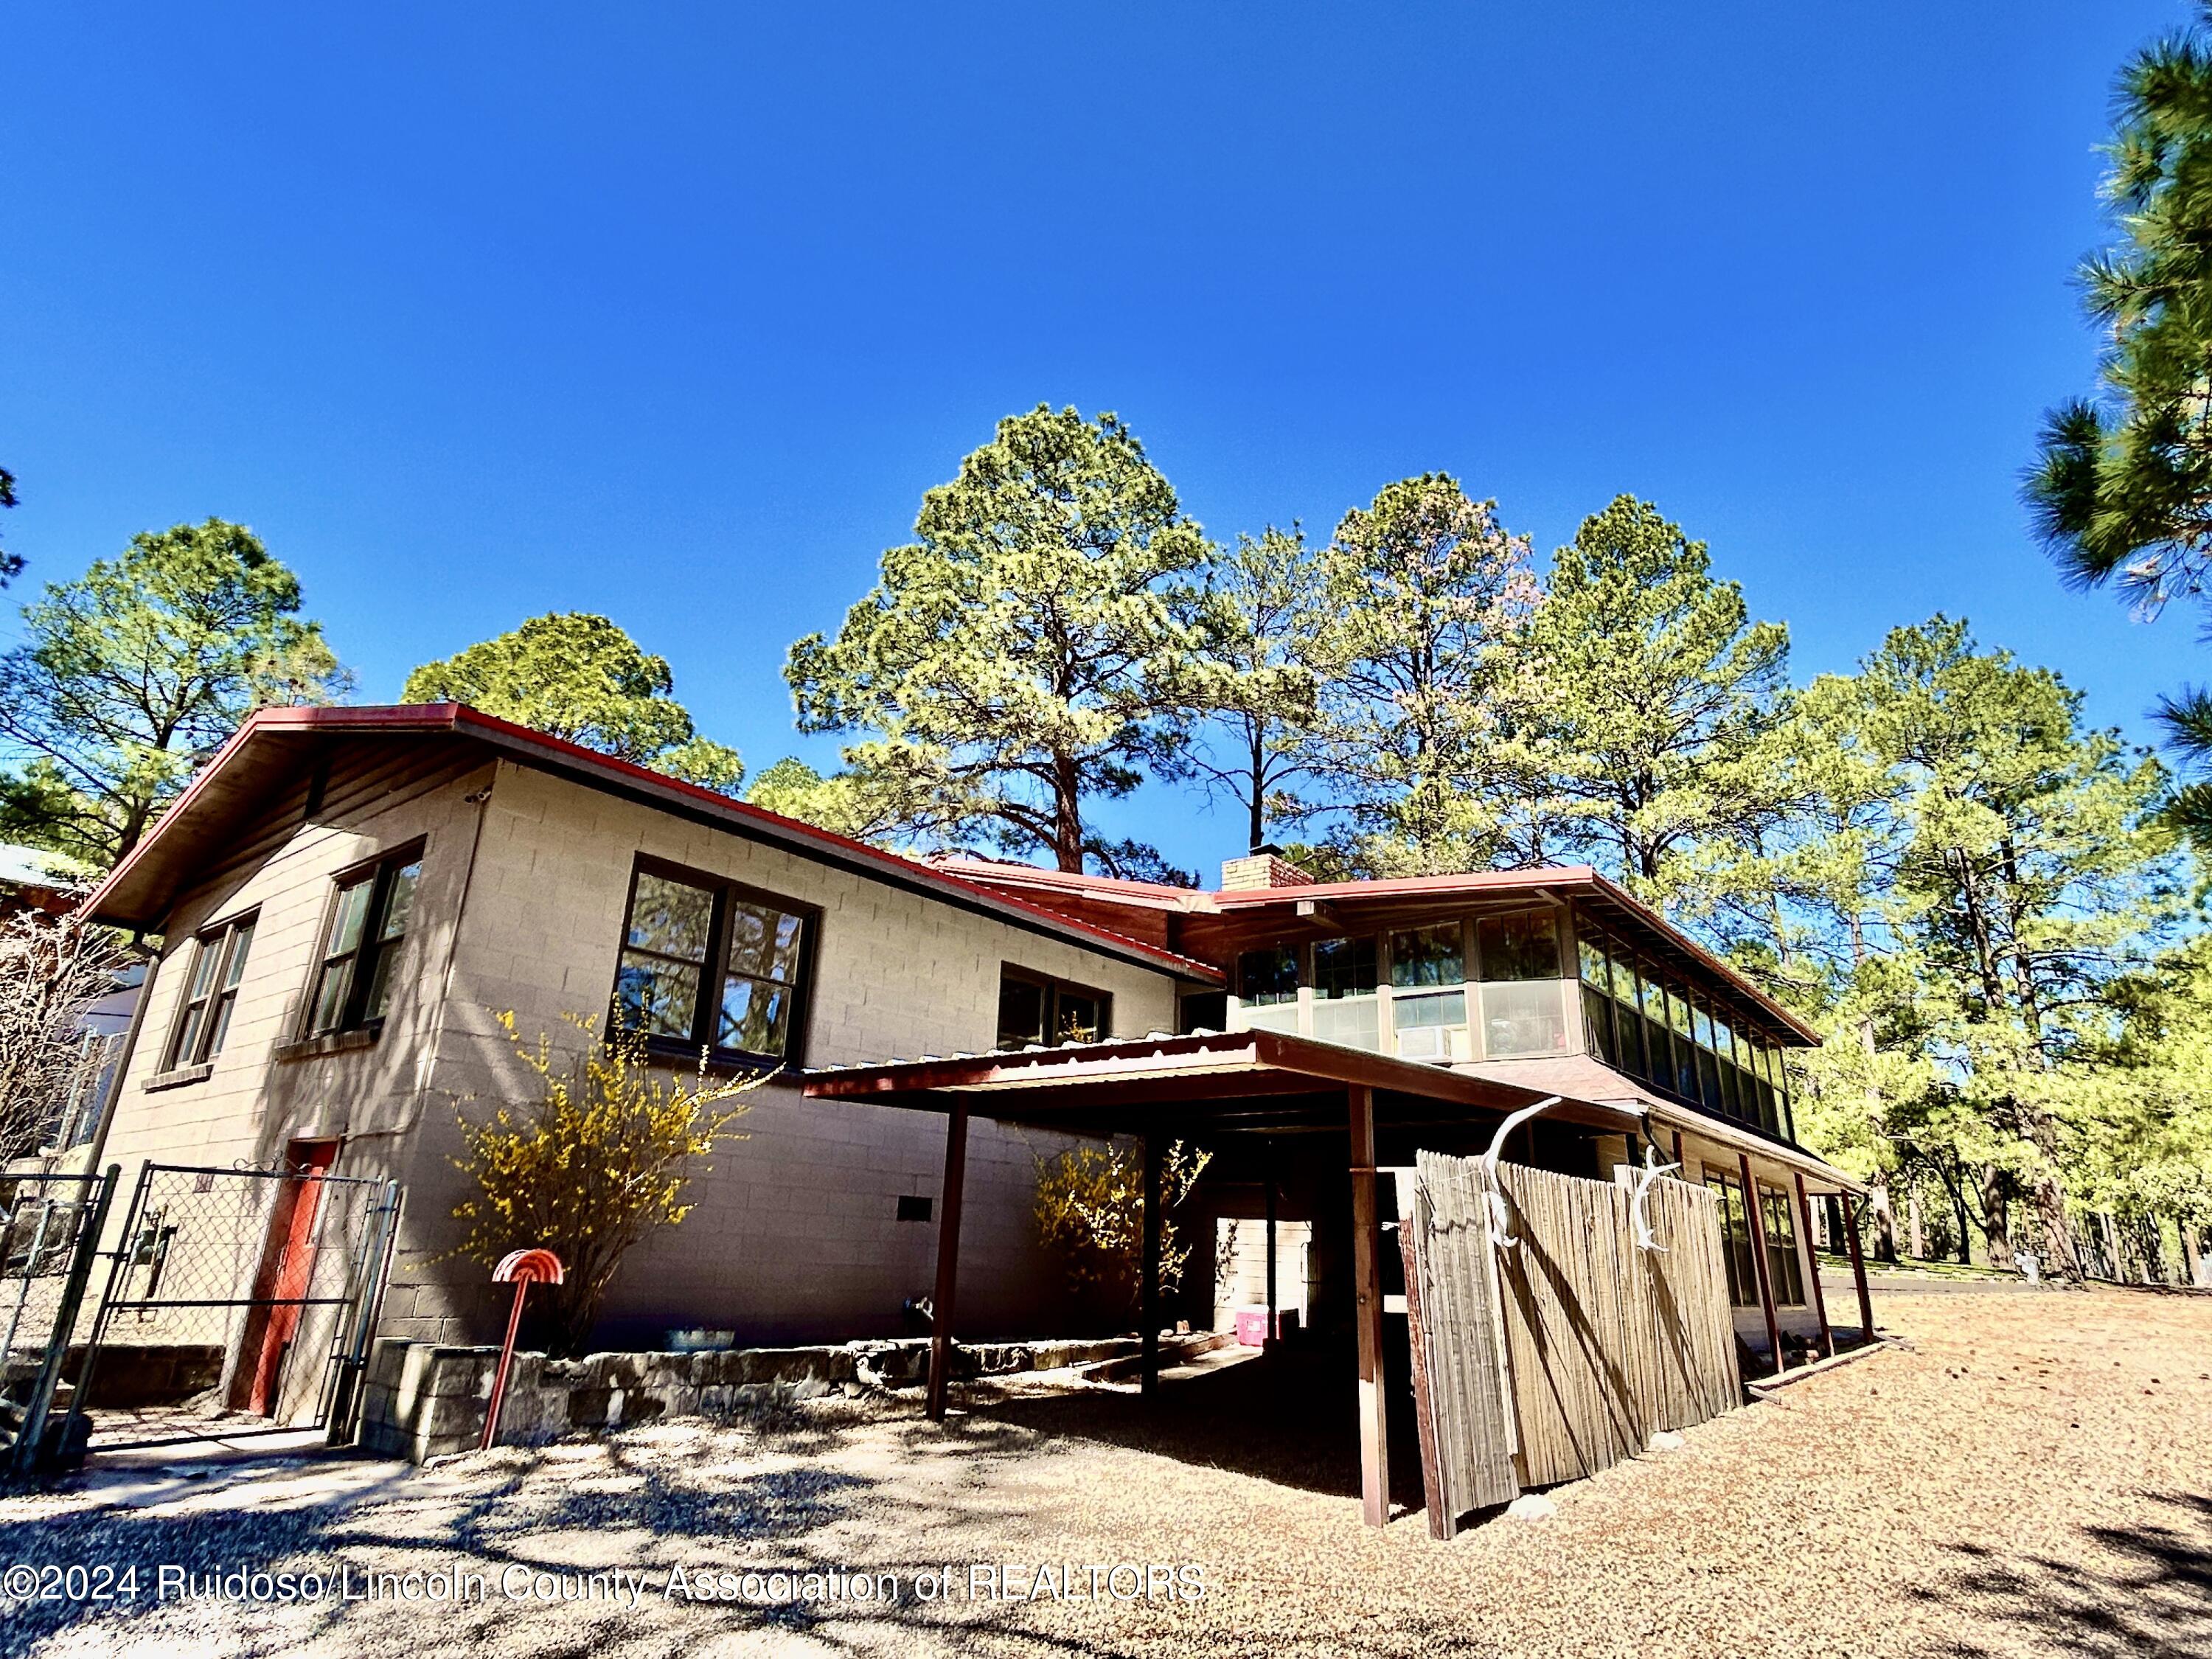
2122 490
133 675
1425 595
1644 703
1025 654
1253 689
581 677
1967 875
2040 877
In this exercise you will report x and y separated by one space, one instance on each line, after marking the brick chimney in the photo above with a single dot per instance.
1263 867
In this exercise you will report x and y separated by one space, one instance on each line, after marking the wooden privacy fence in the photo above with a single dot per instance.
1562 1353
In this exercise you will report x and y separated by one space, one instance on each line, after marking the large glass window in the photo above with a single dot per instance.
211 993
368 918
1428 990
1709 1070
1782 1268
1597 1022
1424 958
1268 976
761 978
1627 1023
1344 968
1518 947
1033 1009
1597 997
710 966
1522 1012
1679 1026
1523 1019
1267 988
664 954
1651 1002
1735 1241
1770 1110
1344 985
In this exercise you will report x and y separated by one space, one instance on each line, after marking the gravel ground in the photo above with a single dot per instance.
2012 1477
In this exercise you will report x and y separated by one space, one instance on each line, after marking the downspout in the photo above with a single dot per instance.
114 1096
481 800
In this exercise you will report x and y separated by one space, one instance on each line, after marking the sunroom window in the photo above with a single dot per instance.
1523 1014
1267 988
1428 989
1345 1009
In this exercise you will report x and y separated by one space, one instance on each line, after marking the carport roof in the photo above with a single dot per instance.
1228 1082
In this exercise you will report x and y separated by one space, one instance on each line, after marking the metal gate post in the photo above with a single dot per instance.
118 1264
344 1414
30 1448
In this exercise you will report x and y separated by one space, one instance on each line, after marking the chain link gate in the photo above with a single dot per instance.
239 1301
49 1228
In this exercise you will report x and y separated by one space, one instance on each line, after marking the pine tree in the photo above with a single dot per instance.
2122 489
1644 705
1027 653
1425 593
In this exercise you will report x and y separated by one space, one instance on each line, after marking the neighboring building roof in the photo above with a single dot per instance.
36 867
267 748
1204 919
34 879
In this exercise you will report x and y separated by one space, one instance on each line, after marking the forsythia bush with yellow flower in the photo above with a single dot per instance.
1091 1210
597 1158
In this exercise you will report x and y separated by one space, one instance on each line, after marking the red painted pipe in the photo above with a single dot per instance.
505 1363
520 1268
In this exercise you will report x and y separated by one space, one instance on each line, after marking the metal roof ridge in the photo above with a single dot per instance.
456 718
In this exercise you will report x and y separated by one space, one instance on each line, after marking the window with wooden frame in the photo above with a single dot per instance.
211 993
1035 1008
1519 960
1784 1272
709 964
1738 1253
370 909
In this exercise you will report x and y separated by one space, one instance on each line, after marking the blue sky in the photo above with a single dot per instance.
674 314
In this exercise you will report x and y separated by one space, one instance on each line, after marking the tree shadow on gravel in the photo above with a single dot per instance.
2140 1589
406 1526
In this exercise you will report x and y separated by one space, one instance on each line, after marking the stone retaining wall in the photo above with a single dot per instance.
424 1400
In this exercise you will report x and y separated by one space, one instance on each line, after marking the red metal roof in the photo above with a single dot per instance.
605 771
1104 891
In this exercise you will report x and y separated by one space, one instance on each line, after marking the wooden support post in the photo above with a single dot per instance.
948 1258
1682 1162
1858 1265
1268 1345
1758 1261
1813 1265
1367 1314
1148 1295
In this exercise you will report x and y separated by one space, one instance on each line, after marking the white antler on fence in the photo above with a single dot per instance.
1651 1173
1500 1223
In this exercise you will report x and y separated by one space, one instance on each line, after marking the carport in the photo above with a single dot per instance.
1210 1088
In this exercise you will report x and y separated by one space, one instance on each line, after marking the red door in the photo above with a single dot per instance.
287 1268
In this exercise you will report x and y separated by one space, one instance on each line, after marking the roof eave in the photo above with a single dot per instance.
556 755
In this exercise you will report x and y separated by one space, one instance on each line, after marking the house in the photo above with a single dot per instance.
1552 980
347 899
